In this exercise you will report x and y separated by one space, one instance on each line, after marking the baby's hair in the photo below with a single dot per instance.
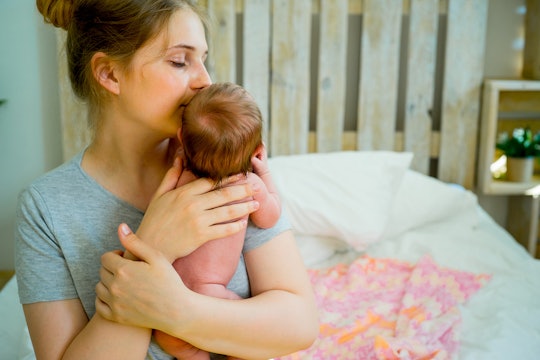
221 130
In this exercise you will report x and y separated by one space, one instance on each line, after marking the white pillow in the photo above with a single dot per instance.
347 195
422 199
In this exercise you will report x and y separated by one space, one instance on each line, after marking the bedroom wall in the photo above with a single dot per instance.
29 120
30 139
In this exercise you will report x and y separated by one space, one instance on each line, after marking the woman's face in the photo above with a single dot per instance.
164 75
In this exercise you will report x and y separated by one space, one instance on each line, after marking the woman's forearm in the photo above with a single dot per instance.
271 324
103 339
61 330
280 317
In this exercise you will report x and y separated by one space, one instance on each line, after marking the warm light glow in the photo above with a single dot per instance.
535 191
498 167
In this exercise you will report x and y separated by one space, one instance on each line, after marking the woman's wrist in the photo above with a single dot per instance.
181 315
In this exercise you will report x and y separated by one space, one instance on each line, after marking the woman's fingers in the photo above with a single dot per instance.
180 220
102 301
218 231
229 194
129 291
134 245
230 212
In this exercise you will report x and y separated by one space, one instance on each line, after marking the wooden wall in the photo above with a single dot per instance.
430 53
411 70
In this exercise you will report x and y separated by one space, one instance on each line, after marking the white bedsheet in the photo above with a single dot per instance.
502 320
427 216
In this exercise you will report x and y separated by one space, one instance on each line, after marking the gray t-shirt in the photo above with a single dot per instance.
66 221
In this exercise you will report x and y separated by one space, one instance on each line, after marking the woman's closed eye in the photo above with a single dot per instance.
178 64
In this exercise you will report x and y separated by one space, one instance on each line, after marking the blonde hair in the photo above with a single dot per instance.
221 129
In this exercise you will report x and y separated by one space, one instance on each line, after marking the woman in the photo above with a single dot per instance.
137 64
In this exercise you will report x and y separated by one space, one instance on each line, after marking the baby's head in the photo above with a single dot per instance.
221 130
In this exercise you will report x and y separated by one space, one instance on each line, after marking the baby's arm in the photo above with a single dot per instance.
269 203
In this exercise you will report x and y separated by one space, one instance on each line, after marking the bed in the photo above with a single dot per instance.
372 109
404 217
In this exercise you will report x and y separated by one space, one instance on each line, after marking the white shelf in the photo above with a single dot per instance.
490 116
522 106
502 187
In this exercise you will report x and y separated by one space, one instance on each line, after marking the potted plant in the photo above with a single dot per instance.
520 149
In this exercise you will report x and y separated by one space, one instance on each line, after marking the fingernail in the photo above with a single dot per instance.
256 187
125 229
255 205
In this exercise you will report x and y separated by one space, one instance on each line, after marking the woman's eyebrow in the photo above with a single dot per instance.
185 46
182 46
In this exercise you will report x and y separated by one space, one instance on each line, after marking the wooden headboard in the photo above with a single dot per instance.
331 75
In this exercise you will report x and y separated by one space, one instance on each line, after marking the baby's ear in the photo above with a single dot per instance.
259 150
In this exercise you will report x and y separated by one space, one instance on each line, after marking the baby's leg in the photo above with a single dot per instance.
179 348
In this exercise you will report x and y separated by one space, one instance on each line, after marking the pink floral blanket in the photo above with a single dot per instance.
389 309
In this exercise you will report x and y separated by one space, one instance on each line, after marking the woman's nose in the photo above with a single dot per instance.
201 78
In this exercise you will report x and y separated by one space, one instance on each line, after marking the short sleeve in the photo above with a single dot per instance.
42 272
255 236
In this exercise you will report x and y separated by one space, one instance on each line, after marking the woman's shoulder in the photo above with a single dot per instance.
69 168
58 180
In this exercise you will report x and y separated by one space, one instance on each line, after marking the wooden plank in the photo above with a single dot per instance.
531 53
422 51
519 101
289 122
379 74
464 64
331 83
355 6
256 55
221 62
488 129
349 142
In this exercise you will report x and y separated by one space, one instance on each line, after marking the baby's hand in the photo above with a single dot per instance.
259 161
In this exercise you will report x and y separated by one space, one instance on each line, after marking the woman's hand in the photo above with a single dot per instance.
136 292
179 219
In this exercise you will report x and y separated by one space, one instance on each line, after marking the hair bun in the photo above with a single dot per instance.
57 12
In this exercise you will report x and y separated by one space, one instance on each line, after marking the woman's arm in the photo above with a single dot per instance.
280 318
60 330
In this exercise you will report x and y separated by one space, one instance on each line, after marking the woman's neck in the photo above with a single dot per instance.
129 166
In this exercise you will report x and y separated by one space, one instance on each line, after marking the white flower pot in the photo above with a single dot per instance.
519 169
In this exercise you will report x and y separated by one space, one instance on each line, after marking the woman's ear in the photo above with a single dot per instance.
104 70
